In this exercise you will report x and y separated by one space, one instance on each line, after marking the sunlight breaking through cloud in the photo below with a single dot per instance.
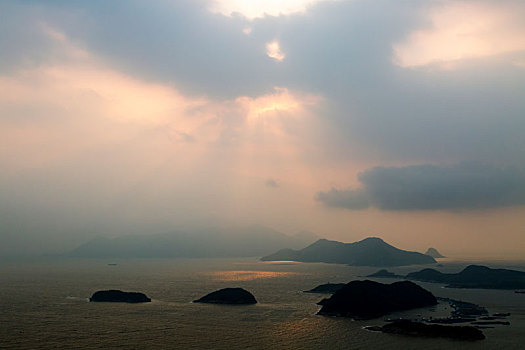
273 50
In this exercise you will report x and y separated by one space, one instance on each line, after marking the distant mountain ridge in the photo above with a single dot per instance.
249 241
370 251
473 276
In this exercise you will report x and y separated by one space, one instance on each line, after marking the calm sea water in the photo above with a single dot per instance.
43 305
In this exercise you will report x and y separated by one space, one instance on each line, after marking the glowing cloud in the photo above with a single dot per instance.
280 101
464 30
259 8
273 50
80 102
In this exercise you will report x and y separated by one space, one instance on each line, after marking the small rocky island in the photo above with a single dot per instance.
384 274
433 252
233 296
369 299
412 328
118 296
328 288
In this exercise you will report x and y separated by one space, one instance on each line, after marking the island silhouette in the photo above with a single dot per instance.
233 296
473 276
369 299
433 252
118 296
370 251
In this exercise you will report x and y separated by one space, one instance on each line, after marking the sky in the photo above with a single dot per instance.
349 118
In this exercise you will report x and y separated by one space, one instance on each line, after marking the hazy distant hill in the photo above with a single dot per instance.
368 252
212 242
473 276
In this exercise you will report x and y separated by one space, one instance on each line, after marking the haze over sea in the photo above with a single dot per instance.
44 306
207 129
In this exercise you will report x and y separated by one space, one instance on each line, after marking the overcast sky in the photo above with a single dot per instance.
398 119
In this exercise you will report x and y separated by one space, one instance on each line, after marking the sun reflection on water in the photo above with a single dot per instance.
247 275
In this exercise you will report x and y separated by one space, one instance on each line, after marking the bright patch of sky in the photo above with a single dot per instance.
259 8
461 31
273 50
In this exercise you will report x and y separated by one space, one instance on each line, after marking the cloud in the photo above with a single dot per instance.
273 50
431 187
341 50
349 199
272 183
463 30
88 149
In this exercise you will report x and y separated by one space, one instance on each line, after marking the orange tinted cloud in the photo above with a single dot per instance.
86 105
462 30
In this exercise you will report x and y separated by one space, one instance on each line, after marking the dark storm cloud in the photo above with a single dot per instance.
177 42
181 42
431 187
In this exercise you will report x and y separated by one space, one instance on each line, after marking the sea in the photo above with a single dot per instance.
44 305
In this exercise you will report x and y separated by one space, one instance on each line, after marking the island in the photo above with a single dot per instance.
473 276
234 296
369 299
384 274
463 309
433 252
328 288
118 296
491 323
370 251
412 328
462 312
